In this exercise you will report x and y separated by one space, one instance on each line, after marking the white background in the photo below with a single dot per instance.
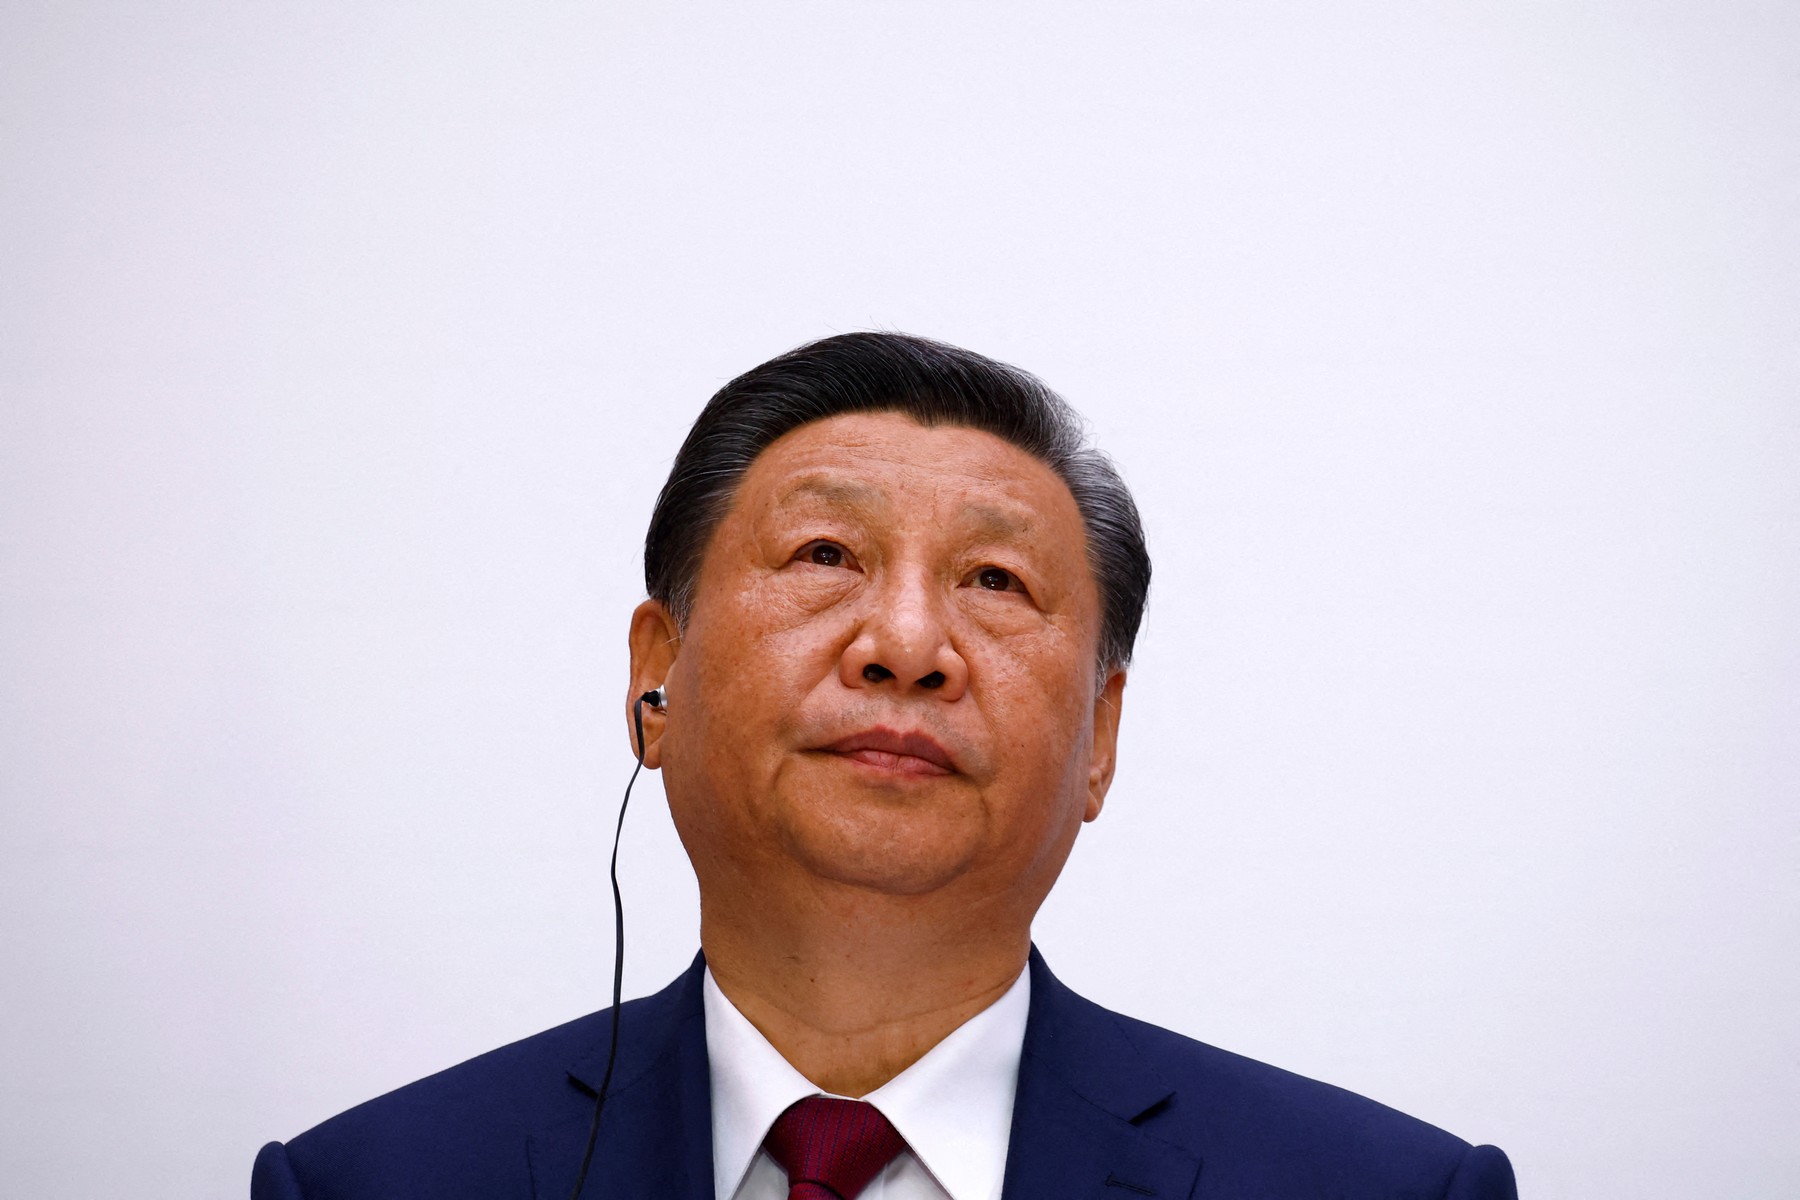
1452 351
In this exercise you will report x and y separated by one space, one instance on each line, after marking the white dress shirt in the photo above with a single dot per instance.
953 1107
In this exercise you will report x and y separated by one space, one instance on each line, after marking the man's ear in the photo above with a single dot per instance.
655 641
1105 753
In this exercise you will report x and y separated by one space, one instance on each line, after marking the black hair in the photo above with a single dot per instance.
935 384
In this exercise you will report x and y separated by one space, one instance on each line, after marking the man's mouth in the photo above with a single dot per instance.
902 752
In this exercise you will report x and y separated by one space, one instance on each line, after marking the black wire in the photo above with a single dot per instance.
612 1052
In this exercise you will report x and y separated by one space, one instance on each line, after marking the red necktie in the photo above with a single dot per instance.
831 1148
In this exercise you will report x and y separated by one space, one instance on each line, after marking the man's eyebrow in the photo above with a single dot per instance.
832 490
999 524
987 521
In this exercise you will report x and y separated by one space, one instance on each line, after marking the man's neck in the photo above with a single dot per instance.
851 1004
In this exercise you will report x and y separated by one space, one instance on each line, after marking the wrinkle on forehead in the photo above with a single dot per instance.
826 470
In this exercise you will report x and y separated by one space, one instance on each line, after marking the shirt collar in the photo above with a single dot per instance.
953 1106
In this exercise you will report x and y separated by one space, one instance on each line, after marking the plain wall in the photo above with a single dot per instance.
1451 350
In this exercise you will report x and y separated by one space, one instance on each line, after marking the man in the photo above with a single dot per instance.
892 600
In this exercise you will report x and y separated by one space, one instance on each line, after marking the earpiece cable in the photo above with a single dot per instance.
612 1051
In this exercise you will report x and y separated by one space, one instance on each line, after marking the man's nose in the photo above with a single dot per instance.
904 643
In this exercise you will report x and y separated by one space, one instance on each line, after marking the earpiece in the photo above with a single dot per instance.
657 698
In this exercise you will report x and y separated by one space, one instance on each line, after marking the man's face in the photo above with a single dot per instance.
887 679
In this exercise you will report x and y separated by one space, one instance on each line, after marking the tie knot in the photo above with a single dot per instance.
832 1148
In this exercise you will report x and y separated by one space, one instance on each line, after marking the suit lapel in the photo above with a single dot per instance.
656 1135
1082 1088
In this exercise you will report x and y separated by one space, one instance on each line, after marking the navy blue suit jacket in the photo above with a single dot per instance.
1108 1108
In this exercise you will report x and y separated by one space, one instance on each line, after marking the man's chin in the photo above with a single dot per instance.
888 865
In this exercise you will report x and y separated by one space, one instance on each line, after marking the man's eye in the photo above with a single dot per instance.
824 554
995 580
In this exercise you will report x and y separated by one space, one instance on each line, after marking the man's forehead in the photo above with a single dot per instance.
873 460
991 518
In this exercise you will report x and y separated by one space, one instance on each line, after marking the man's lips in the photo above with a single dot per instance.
911 753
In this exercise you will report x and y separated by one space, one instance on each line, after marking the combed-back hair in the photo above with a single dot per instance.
933 383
